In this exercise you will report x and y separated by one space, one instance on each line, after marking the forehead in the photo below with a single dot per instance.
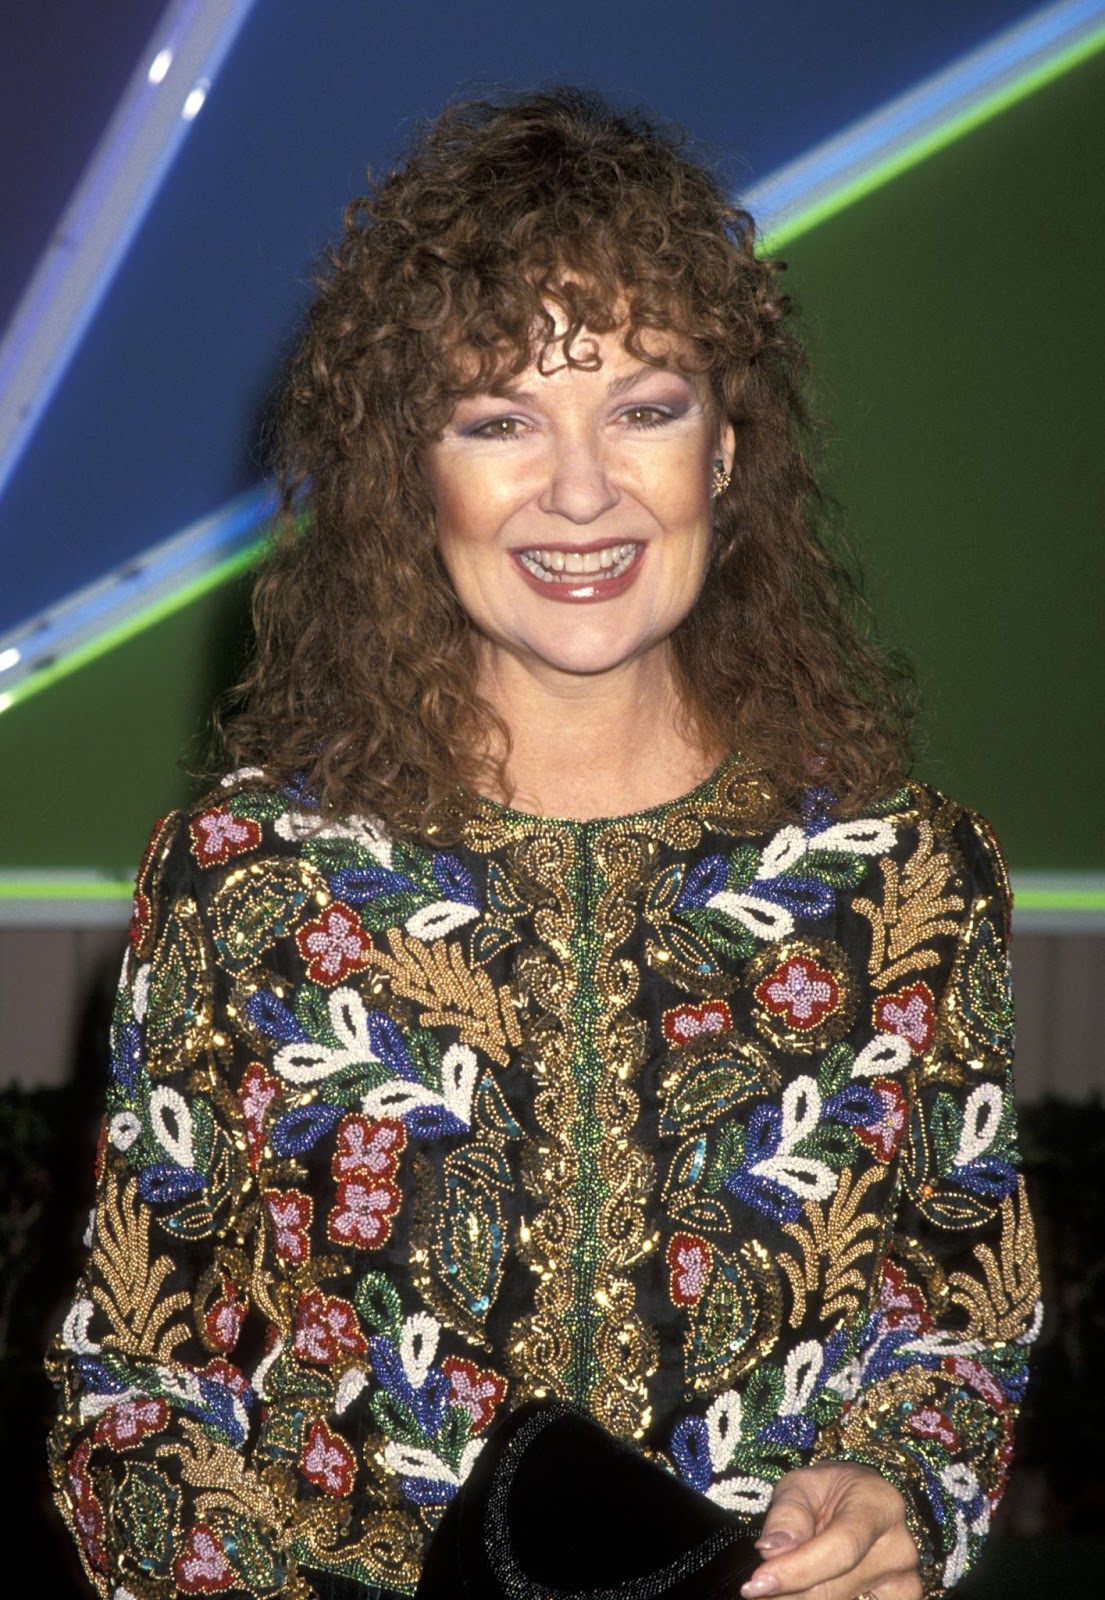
560 348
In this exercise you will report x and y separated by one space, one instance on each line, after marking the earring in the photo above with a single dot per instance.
722 479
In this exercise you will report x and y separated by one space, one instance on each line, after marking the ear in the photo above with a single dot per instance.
727 444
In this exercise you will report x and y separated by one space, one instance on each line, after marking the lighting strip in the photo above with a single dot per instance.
1045 903
841 170
151 121
134 597
790 202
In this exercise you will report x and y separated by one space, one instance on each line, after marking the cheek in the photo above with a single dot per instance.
677 484
470 506
684 511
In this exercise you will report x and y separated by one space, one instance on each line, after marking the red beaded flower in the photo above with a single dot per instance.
368 1147
223 1322
478 1392
325 1327
202 1566
334 944
216 836
885 1135
689 1259
290 1215
685 1023
129 1421
799 991
362 1213
257 1092
911 1014
88 1513
327 1460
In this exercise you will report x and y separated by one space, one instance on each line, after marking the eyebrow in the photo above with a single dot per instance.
614 388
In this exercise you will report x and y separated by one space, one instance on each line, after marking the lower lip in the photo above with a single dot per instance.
589 589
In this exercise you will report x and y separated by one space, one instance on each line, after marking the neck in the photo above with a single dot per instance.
596 745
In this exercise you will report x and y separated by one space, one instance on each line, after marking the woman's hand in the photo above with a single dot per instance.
836 1531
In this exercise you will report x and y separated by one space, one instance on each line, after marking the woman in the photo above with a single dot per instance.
567 995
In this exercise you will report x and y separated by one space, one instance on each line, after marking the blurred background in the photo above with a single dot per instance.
932 174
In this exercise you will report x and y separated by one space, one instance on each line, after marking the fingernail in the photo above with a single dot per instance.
777 1539
761 1583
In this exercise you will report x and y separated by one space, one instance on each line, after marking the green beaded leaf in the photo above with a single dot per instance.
469 1236
945 1130
950 1208
502 897
699 1093
254 910
258 805
206 1134
700 1214
395 1419
249 1551
145 1514
378 1304
312 1012
728 1154
898 801
691 951
331 856
387 911
290 1378
347 1087
836 1069
832 1143
763 1394
178 1010
743 865
836 867
490 941
663 892
453 1436
281 1435
688 1166
723 936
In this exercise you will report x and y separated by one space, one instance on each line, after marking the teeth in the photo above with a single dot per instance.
557 566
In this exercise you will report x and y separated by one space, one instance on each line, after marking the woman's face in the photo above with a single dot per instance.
573 507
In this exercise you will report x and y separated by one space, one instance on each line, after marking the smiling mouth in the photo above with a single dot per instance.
567 566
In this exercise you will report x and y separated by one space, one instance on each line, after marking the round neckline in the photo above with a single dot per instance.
510 815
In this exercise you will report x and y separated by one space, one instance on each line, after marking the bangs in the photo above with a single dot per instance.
541 316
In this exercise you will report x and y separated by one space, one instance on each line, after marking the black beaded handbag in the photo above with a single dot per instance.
555 1508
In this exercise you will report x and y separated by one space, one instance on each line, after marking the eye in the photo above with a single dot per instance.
499 428
646 416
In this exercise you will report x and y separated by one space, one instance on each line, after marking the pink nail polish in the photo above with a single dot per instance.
778 1539
760 1583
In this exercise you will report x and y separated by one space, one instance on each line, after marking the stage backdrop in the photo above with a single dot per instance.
953 314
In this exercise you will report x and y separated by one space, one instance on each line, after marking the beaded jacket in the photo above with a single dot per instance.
700 1121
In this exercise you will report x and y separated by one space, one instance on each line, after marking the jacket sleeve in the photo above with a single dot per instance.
153 1452
943 1360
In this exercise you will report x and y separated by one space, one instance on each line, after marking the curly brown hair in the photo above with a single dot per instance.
447 281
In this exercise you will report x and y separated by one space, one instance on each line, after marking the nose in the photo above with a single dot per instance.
579 487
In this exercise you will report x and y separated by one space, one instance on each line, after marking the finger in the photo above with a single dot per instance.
897 1586
791 1519
847 1559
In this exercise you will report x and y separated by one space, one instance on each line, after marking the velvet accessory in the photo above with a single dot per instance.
556 1508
